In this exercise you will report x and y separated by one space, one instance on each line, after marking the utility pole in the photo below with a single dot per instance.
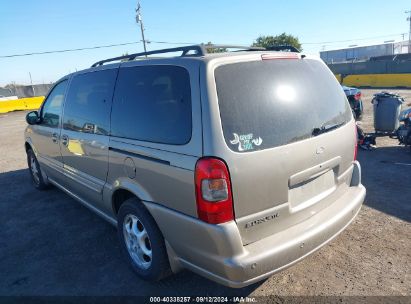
409 33
139 19
32 87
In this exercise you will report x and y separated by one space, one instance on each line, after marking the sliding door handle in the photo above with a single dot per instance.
64 140
55 138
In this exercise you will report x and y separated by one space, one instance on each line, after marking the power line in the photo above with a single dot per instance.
167 42
69 50
89 48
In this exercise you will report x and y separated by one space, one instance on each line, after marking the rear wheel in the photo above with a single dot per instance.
142 242
35 171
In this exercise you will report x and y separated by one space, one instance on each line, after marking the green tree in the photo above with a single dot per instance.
214 50
279 40
122 60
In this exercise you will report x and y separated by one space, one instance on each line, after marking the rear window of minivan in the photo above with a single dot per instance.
269 103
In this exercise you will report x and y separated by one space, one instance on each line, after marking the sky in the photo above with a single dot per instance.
45 25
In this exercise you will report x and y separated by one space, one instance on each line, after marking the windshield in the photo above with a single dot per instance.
269 103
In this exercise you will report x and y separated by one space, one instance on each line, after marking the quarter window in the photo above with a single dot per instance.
87 108
152 103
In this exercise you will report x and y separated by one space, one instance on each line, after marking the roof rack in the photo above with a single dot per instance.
288 48
186 51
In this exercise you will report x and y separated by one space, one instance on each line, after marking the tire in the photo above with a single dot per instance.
139 236
35 171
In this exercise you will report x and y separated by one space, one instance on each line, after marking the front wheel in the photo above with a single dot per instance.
35 171
142 242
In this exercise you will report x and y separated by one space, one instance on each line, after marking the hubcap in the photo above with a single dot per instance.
137 241
34 170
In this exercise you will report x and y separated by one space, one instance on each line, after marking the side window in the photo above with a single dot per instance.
153 103
51 111
87 107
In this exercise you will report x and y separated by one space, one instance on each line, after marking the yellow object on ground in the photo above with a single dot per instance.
378 80
338 76
31 103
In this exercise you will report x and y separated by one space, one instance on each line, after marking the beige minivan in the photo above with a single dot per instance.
234 165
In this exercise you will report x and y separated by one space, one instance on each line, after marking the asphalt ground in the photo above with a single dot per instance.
51 245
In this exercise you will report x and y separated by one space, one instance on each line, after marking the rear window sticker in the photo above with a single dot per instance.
246 142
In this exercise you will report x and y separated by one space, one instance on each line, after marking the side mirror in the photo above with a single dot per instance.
32 118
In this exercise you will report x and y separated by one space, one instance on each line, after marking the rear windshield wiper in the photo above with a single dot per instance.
325 129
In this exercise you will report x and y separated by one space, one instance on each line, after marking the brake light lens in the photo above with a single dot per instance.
213 191
279 55
356 142
357 96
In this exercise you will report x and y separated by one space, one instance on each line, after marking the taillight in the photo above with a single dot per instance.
356 142
357 96
213 191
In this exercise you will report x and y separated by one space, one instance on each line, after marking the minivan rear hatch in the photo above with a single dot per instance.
290 136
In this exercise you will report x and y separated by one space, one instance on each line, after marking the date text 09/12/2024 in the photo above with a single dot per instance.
205 299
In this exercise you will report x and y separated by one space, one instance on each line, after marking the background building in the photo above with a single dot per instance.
364 53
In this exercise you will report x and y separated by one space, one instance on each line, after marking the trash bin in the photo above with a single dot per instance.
387 107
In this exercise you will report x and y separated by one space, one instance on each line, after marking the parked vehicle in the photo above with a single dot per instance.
204 161
354 98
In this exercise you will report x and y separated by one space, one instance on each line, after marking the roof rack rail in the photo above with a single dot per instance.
288 48
197 51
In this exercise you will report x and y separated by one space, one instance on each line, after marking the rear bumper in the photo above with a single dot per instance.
216 251
284 249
